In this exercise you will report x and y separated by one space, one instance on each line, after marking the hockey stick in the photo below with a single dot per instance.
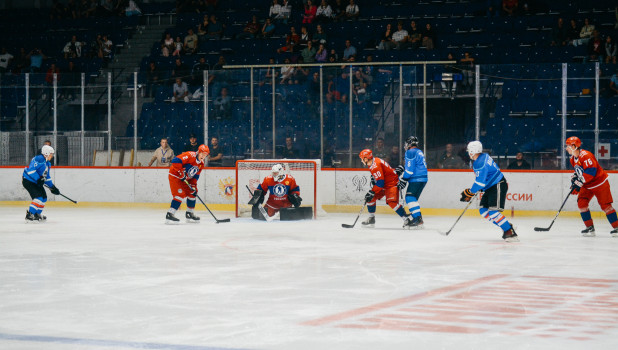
460 215
555 217
261 207
358 216
213 215
60 194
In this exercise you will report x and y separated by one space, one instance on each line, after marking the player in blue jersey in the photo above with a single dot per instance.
34 177
489 179
414 173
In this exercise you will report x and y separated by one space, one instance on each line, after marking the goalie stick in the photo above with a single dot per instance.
460 215
357 216
543 229
261 207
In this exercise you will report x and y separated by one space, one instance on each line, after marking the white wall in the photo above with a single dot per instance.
527 191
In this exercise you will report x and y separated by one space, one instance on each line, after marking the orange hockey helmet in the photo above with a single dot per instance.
366 153
203 149
574 140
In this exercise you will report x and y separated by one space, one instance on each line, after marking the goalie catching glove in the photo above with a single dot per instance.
258 197
295 199
466 195
369 196
576 184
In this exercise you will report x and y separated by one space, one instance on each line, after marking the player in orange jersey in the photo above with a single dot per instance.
590 180
387 184
184 172
284 192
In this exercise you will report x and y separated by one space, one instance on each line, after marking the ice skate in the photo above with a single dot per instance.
589 232
31 218
191 218
370 222
40 217
416 223
510 236
170 219
614 232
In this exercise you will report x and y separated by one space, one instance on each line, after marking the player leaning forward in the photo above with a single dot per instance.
590 180
34 177
183 175
490 180
387 184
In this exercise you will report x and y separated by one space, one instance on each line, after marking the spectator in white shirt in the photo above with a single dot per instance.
275 10
181 91
5 60
352 11
399 37
324 13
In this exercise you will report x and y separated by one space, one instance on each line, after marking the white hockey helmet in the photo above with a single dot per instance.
278 172
474 147
47 150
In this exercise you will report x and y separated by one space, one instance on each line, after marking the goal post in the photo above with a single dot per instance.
251 172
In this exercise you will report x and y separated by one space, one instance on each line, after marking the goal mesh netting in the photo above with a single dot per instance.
252 172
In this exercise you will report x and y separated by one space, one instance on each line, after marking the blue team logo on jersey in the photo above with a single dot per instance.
579 171
280 190
192 171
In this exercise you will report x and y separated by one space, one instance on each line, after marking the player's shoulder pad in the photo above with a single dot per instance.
40 159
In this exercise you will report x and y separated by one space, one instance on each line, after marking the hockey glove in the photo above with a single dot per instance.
399 170
372 180
40 181
295 199
369 196
466 195
54 190
258 197
402 184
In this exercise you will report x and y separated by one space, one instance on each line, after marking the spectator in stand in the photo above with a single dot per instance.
324 12
192 146
572 32
167 45
519 163
610 50
291 41
339 10
386 42
223 105
414 36
449 87
612 89
251 29
309 52
305 37
36 60
319 37
301 74
287 72
275 10
180 91
5 60
351 11
559 34
510 7
286 12
190 44
394 158
218 76
289 151
585 34
202 28
153 79
400 37
595 47
132 9
309 12
380 150
180 70
178 47
214 29
313 88
268 29
448 159
468 71
429 37
349 53
107 48
73 48
198 71
163 155
322 54
215 158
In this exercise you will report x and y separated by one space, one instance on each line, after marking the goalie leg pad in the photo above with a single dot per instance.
255 213
300 213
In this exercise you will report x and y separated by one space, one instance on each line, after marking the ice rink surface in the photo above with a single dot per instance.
121 279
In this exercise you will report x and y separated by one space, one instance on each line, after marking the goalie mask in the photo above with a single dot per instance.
278 172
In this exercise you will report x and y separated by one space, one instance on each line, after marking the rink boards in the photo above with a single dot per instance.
339 189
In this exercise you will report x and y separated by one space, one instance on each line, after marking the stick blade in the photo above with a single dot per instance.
223 220
347 226
541 229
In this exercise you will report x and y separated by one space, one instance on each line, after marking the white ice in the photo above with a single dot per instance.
121 279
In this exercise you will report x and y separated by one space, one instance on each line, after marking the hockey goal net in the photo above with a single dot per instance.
252 172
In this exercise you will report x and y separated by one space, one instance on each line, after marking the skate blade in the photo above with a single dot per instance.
418 227
368 226
31 222
511 239
170 222
614 235
190 221
589 234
